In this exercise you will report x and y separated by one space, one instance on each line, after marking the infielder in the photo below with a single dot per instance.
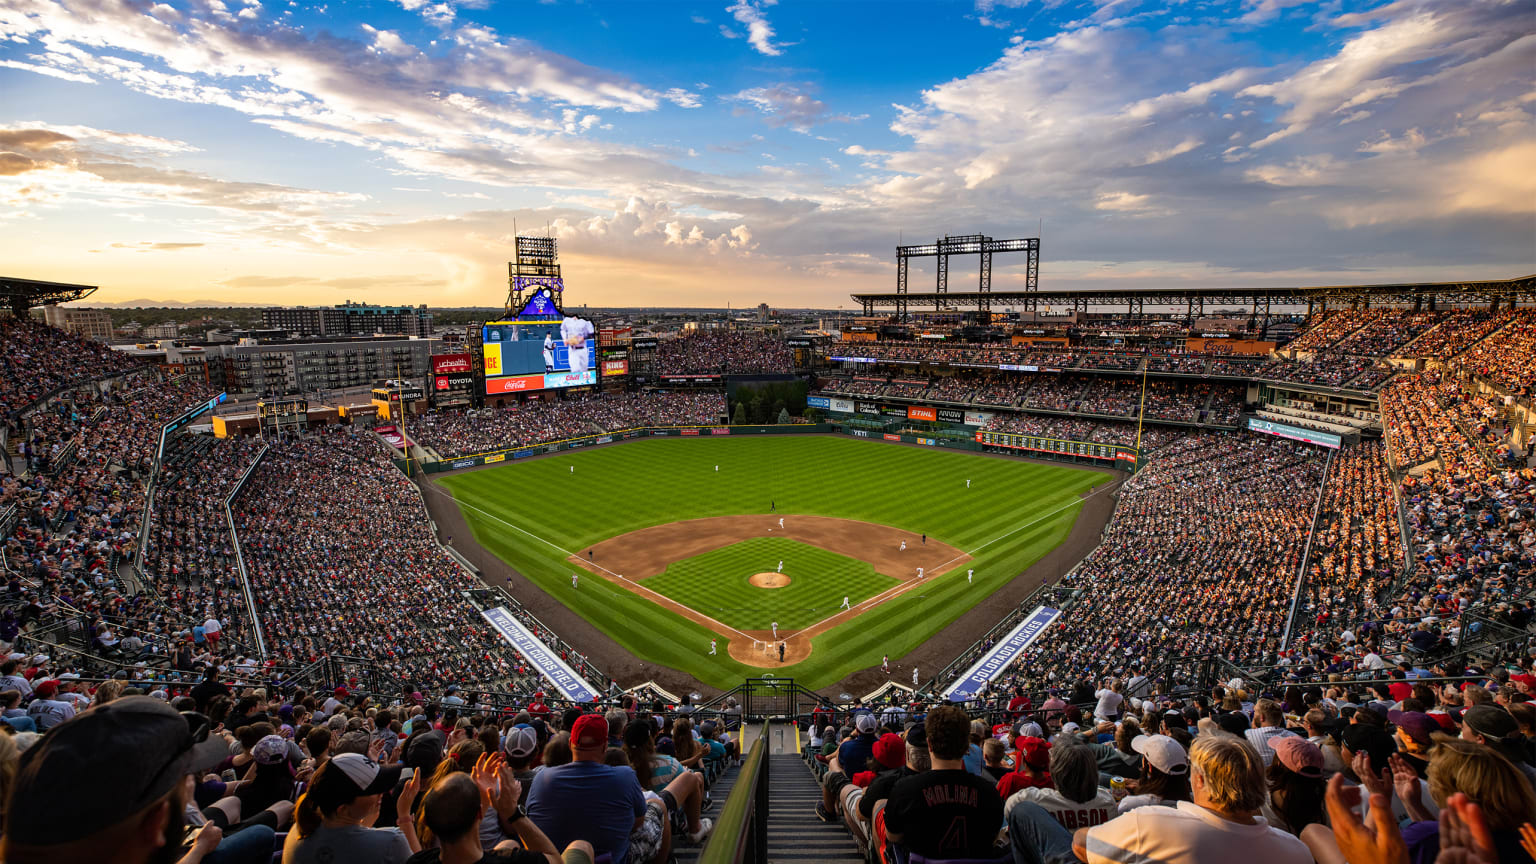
711 647
845 602
575 332
903 546
775 629
781 566
919 572
967 484
781 521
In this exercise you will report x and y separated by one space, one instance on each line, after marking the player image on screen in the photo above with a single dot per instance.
575 332
549 352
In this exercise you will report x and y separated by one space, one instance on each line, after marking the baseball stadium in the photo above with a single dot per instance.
995 432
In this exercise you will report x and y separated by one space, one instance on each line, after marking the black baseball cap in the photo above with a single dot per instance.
133 750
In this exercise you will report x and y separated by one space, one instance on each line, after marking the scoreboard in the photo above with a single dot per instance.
1086 449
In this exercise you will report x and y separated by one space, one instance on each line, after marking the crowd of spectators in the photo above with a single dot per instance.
342 560
1456 332
1508 357
1056 392
39 360
481 430
1343 774
724 352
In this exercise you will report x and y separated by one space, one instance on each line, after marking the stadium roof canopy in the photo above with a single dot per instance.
1196 299
23 294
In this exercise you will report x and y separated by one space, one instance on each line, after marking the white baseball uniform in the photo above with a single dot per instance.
781 566
967 484
711 646
914 676
845 603
919 572
575 332
781 521
903 546
549 352
775 629
573 580
968 575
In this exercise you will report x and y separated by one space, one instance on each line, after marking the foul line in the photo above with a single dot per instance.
906 586
569 554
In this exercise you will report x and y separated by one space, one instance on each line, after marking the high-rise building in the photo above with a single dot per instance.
90 323
350 319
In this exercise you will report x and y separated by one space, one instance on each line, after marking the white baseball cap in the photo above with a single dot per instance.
1163 752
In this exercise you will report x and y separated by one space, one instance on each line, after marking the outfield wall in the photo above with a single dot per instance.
514 454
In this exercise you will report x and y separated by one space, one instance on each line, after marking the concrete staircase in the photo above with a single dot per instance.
794 832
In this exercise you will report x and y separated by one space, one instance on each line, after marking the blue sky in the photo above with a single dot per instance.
750 151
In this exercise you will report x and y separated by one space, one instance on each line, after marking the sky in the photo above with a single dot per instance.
757 151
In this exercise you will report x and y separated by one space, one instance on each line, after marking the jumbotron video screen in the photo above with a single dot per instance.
542 349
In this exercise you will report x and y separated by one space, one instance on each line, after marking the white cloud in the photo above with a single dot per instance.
789 105
749 13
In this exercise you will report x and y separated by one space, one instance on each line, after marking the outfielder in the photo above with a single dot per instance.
967 484
575 332
968 576
573 580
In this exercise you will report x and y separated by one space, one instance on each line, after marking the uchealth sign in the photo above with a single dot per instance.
1003 654
540 656
450 364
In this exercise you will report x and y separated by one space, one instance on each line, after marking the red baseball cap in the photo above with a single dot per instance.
590 732
1035 752
890 750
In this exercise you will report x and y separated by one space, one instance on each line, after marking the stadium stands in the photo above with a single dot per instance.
722 352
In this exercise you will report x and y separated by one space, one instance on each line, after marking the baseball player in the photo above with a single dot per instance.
549 352
573 580
903 546
845 602
914 676
969 575
967 483
575 332
919 572
781 567
711 647
885 663
781 521
573 469
775 629
717 469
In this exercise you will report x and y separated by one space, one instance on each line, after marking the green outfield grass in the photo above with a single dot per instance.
533 514
716 583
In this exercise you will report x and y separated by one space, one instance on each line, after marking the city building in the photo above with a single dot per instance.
309 366
350 319
90 323
168 330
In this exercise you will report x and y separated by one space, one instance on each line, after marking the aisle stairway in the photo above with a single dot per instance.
794 832
719 791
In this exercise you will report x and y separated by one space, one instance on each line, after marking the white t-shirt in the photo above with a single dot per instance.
1071 814
1109 704
212 625
1189 834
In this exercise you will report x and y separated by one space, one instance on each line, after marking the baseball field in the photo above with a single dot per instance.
839 550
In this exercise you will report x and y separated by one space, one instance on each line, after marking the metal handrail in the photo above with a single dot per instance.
741 832
234 536
1306 553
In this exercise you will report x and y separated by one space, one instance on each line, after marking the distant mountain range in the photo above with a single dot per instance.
169 304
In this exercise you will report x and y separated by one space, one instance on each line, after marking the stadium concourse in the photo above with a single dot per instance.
271 643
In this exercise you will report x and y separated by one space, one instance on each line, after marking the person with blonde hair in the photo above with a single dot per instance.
1479 772
1222 824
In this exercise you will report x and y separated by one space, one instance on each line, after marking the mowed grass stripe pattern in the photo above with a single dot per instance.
618 489
717 584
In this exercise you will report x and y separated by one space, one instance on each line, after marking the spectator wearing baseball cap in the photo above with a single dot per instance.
1497 728
133 809
1414 737
1296 785
1164 773
851 757
48 710
1074 800
1032 764
861 805
521 744
585 799
342 799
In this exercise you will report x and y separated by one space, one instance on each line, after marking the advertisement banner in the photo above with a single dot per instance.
615 367
690 432
643 343
462 463
868 408
391 436
890 437
451 364
513 384
720 430
568 379
491 352
915 412
861 433
455 382
524 454
843 405
540 656
497 458
951 415
605 439
1003 654
818 402
893 410
977 418
1295 433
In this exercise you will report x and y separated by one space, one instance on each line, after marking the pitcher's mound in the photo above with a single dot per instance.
769 580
